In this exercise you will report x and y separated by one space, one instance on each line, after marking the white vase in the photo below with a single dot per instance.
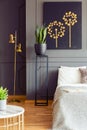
3 104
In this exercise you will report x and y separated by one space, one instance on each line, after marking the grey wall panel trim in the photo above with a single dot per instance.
60 58
68 62
11 62
64 61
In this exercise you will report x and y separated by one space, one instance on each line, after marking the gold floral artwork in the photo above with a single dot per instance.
70 19
56 29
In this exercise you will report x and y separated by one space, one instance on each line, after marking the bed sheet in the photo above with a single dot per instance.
70 107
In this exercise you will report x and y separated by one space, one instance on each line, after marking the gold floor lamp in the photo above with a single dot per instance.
17 49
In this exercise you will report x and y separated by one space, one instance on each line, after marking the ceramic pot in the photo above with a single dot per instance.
40 49
3 104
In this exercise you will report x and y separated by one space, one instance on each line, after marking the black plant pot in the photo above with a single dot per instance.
40 49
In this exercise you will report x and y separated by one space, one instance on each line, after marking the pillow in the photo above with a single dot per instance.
83 75
69 75
74 90
67 67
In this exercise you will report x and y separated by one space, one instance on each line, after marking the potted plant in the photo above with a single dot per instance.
3 97
40 36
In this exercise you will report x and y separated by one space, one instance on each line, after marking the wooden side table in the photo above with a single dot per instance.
12 118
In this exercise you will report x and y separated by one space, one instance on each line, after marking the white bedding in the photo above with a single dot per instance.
70 107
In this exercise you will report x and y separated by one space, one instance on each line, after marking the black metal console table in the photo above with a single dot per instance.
41 80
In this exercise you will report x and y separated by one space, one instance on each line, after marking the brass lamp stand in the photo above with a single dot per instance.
17 48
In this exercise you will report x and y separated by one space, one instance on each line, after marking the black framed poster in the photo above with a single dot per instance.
64 22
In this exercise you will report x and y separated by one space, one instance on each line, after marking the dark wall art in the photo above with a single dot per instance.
64 22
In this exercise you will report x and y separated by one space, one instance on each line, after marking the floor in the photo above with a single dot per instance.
36 117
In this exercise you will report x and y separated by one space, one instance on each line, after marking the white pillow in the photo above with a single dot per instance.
67 67
75 90
74 87
69 75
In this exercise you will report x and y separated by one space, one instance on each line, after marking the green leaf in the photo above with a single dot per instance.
3 93
40 34
44 34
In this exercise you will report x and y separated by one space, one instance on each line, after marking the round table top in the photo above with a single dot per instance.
11 111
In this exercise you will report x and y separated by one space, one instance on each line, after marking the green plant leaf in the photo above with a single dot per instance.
40 34
3 93
44 34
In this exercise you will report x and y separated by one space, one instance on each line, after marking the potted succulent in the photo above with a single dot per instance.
3 97
40 36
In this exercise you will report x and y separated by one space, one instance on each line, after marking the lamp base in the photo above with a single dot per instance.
14 100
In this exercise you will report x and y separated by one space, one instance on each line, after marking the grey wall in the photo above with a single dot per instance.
56 57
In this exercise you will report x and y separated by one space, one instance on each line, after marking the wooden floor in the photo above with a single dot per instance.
36 117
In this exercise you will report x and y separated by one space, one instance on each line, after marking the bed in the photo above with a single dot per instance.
70 99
